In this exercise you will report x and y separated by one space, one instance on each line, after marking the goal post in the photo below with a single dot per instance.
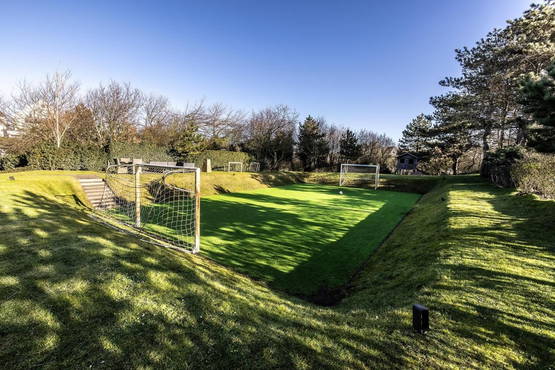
234 166
359 174
158 202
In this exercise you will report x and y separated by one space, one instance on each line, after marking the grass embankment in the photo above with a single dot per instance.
75 294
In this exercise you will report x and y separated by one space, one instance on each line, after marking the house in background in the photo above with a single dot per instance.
406 163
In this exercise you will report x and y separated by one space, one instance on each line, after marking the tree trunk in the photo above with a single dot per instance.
455 165
485 137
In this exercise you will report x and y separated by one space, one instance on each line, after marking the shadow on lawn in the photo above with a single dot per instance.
75 294
290 242
508 276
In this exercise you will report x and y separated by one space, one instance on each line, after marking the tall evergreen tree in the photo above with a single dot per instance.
415 135
190 141
313 146
538 99
452 133
350 149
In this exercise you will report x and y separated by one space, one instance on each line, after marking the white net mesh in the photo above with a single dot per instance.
359 175
155 200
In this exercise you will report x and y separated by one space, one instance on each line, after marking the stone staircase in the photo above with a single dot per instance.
98 193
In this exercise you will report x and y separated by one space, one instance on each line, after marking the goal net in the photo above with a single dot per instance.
234 166
254 167
359 174
161 203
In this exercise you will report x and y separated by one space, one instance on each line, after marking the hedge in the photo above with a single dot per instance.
147 152
535 174
49 157
9 162
68 157
219 158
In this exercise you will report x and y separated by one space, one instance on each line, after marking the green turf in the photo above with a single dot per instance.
75 294
300 238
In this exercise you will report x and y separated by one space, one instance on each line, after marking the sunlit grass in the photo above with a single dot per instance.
75 294
300 238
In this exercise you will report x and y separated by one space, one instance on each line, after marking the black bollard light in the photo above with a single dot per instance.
420 318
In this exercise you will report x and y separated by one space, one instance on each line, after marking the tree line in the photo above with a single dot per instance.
55 113
503 98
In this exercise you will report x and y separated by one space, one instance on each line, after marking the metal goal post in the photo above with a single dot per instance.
358 174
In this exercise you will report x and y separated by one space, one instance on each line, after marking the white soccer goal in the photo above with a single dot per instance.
234 166
254 167
159 202
359 174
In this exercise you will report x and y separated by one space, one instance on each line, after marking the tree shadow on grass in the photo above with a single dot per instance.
504 261
75 294
299 245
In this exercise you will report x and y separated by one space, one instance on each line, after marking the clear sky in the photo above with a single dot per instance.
362 64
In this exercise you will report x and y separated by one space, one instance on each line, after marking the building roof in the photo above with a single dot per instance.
404 154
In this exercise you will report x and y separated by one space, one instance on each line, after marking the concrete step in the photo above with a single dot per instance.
101 199
98 193
93 185
88 181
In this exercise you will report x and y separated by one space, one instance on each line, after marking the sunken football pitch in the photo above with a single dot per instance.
299 238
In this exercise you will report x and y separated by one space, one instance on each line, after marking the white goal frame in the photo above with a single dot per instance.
344 173
130 194
229 166
254 167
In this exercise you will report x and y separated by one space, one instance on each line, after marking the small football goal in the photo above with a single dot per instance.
160 203
254 167
359 174
234 166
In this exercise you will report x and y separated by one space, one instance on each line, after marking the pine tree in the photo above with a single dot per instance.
538 99
452 133
313 146
415 135
350 149
190 140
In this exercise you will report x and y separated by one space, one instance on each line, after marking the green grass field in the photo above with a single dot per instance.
300 238
76 294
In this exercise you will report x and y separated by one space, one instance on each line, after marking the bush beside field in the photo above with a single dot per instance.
535 174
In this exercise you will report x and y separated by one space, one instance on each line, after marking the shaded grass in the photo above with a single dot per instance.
74 294
300 238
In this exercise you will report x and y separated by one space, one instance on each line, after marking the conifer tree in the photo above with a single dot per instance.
415 135
350 149
313 146
538 99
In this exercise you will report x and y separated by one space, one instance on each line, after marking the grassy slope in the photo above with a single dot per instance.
75 294
301 238
224 182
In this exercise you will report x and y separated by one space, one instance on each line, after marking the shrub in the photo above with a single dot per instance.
147 152
535 174
497 165
9 162
219 158
49 157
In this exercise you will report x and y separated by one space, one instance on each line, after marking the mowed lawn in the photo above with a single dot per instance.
76 294
300 238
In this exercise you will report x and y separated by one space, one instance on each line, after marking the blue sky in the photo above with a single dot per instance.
361 64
